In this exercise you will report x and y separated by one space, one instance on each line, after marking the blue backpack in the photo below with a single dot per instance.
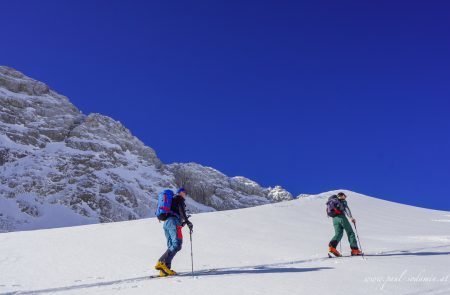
163 210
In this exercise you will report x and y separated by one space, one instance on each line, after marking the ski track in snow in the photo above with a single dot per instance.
282 267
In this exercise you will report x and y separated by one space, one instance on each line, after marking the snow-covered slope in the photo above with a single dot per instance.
274 249
59 167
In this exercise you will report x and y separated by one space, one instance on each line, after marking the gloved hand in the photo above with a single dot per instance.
353 220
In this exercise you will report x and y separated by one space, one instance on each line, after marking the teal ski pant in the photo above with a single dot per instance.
340 224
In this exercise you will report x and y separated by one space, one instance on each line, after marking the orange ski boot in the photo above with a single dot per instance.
356 252
334 251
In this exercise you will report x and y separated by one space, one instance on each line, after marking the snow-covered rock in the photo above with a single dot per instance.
279 194
59 167
215 189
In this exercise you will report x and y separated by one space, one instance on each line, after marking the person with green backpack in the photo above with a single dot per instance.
337 208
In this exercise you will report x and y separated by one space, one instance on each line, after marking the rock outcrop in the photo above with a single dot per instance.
59 167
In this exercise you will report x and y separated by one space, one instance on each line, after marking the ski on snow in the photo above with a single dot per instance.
330 255
184 274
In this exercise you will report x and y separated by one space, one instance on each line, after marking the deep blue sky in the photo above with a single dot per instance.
311 95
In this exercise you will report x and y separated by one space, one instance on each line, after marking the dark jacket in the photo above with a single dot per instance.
179 208
343 207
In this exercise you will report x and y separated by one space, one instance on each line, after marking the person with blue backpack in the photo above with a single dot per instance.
337 208
172 210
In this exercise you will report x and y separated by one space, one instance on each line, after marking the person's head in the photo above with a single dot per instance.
182 192
341 196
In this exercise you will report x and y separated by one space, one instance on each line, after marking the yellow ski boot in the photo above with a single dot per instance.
163 267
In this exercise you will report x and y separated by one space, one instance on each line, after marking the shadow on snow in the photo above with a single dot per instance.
258 269
215 272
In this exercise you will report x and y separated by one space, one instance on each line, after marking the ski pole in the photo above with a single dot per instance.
359 241
192 255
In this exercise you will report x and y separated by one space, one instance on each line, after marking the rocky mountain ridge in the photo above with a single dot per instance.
60 167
